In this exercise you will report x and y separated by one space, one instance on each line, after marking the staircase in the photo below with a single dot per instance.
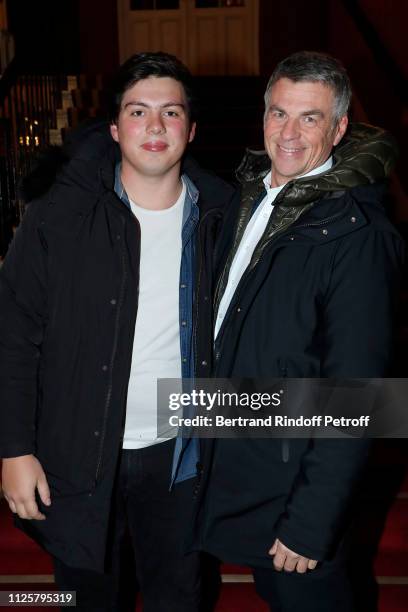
381 546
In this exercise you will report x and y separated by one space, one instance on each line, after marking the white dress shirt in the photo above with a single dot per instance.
252 235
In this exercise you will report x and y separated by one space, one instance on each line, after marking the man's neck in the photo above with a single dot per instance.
152 192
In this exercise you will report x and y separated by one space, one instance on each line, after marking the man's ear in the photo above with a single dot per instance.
114 132
192 132
340 130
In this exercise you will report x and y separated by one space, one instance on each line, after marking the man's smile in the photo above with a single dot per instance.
155 145
290 150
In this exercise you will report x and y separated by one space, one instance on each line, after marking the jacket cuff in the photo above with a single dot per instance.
300 548
9 451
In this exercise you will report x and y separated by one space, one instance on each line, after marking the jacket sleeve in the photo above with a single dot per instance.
357 314
23 281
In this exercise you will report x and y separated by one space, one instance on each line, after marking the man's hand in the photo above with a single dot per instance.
21 476
286 559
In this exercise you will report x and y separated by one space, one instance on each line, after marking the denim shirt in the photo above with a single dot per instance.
186 451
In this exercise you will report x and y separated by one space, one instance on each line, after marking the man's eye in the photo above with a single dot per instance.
171 113
309 120
277 114
137 113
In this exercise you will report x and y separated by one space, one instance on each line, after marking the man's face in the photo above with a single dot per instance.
299 128
153 127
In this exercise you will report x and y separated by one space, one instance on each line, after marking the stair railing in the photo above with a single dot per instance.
28 105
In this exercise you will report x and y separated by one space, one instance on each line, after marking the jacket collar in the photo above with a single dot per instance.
366 155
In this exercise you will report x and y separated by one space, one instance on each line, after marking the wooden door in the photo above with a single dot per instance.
3 15
223 39
152 25
213 37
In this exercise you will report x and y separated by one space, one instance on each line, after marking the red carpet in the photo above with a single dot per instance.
20 555
383 528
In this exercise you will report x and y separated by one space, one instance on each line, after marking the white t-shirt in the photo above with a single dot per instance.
252 235
156 346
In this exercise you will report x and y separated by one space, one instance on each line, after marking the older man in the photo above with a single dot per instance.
308 290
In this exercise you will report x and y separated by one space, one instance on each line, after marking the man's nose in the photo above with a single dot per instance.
155 124
290 129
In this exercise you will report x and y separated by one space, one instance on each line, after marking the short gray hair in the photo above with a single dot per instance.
317 68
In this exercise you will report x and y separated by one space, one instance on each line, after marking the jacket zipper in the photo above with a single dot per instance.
113 355
285 450
245 275
197 293
196 319
285 443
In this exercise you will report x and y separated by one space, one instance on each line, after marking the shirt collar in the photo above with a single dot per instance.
119 188
192 191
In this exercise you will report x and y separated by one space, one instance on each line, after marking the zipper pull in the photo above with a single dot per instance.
285 451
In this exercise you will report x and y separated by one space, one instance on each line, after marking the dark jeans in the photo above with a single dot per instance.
146 542
325 589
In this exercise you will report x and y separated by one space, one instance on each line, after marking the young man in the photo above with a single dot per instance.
308 290
96 303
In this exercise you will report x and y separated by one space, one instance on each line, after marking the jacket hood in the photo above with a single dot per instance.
366 155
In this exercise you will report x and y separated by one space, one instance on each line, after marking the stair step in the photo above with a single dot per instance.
55 137
62 118
25 562
66 99
72 82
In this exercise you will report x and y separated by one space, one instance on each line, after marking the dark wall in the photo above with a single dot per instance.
99 36
46 34
389 19
377 70
368 36
65 36
286 27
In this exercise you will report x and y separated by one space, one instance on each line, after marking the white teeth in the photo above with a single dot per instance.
289 150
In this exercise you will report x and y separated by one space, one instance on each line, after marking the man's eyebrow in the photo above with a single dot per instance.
313 111
144 105
173 104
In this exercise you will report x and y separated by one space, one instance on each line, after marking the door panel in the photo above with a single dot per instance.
151 29
141 35
213 37
169 37
236 44
206 52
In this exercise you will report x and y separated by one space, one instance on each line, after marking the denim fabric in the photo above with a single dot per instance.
186 453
